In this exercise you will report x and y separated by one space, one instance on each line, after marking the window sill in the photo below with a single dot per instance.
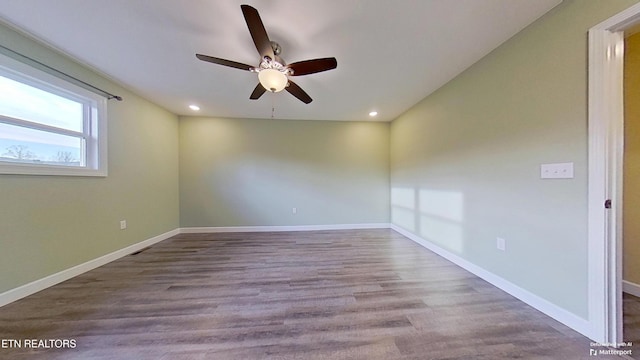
50 170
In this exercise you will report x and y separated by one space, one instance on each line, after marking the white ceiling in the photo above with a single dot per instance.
391 54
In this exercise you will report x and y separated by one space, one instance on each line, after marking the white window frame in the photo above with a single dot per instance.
93 161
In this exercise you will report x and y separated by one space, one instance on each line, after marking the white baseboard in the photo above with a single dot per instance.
193 230
571 320
41 284
48 281
631 288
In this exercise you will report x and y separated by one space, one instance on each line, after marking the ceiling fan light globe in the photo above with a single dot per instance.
273 80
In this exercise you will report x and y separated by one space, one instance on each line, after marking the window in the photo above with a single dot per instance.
49 126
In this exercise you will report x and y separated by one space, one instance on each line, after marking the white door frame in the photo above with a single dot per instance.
606 140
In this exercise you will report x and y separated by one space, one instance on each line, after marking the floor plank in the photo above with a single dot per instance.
352 294
631 314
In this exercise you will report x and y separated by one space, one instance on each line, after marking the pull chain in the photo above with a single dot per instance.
273 106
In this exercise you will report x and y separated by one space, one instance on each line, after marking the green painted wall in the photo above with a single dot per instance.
463 169
465 161
51 223
243 172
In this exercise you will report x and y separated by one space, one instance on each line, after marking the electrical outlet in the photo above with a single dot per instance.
501 244
123 224
294 210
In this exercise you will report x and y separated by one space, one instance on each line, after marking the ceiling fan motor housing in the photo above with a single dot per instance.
276 48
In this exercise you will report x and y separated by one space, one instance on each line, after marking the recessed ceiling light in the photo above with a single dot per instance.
194 107
373 113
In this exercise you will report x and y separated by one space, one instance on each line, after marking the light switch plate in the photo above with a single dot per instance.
556 171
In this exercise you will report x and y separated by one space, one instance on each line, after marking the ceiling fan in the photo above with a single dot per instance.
273 72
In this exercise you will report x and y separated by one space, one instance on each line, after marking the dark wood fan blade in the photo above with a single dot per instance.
257 92
297 91
224 62
313 66
258 32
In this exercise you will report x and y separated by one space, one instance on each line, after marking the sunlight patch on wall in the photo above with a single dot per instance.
441 216
444 204
445 233
404 218
403 197
403 208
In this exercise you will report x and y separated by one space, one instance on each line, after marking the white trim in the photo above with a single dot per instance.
41 284
600 304
571 320
606 118
268 228
622 20
631 288
527 297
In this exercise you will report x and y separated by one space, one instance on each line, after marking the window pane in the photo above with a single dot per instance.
25 102
18 144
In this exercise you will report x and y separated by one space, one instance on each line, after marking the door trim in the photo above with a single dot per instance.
606 141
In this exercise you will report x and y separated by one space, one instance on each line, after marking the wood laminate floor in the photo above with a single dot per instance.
357 294
631 331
